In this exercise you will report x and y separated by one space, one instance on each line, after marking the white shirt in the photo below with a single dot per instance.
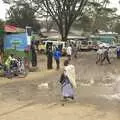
100 51
69 50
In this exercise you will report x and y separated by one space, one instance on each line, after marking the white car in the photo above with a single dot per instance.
107 45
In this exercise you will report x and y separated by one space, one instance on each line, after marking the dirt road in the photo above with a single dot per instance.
25 100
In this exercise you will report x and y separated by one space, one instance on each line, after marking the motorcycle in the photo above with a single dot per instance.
22 70
17 68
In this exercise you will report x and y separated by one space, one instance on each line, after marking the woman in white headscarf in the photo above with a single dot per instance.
67 81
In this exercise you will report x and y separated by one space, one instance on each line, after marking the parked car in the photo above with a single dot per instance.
86 45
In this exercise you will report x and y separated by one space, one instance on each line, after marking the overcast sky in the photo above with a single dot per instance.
4 7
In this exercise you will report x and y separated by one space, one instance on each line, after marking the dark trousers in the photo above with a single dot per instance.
34 59
106 58
118 54
69 57
49 63
58 63
75 54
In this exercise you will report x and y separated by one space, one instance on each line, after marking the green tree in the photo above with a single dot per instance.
2 24
64 13
97 16
1 33
117 27
84 23
23 15
96 11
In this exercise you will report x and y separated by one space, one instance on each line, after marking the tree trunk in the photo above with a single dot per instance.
64 37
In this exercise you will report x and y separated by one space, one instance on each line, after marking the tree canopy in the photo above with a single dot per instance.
2 24
89 15
97 16
22 15
63 12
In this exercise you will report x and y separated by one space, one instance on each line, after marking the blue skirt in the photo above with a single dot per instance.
67 90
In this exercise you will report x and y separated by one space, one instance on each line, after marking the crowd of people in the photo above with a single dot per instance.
67 79
56 53
102 55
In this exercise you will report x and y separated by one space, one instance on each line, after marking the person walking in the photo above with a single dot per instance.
67 81
75 50
69 52
34 55
106 56
118 52
99 55
57 55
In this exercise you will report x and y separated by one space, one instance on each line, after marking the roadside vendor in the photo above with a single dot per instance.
8 61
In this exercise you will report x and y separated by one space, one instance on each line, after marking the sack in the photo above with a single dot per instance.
70 73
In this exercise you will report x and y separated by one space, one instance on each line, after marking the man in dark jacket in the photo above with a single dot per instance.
49 58
34 55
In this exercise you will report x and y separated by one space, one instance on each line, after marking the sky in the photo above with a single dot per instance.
4 7
115 4
3 10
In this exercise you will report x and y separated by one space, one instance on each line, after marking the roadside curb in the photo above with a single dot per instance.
31 77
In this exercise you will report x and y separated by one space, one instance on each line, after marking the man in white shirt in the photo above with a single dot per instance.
69 52
99 54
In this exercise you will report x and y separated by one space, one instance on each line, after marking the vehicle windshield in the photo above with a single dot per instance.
84 42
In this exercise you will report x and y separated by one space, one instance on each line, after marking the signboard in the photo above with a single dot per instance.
16 41
17 44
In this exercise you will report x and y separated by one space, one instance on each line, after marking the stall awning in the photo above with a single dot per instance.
13 29
10 28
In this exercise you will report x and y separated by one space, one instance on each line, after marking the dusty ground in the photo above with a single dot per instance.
23 99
